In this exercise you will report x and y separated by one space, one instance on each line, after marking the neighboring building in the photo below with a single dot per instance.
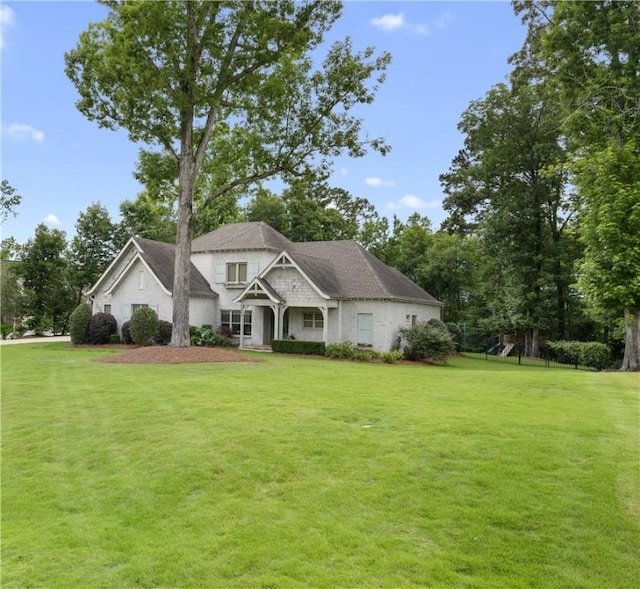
262 286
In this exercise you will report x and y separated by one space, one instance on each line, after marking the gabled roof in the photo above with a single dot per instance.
339 269
262 289
241 236
345 270
159 258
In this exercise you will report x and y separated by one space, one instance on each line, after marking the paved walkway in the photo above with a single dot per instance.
36 340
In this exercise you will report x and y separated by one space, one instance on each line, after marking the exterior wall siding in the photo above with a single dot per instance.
128 292
207 263
294 288
388 318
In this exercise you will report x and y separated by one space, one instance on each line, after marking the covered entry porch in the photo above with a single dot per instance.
280 319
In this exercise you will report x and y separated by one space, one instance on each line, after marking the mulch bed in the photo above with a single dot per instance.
169 355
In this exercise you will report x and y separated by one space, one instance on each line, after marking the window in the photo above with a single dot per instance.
231 319
107 309
134 308
237 273
365 329
312 321
414 320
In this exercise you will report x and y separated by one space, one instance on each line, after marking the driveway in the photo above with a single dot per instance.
36 340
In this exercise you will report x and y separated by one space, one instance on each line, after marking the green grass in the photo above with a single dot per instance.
315 473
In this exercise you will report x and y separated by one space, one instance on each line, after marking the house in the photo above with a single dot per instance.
251 279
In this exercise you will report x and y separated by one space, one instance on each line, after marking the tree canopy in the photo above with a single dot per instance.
229 92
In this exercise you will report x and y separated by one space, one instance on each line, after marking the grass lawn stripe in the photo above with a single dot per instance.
314 473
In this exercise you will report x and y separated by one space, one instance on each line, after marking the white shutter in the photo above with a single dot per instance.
125 312
221 270
252 270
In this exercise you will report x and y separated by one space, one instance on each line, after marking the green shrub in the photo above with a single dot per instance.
40 324
79 324
426 340
206 337
5 329
289 346
591 354
126 333
114 339
163 336
341 350
101 326
365 355
456 334
143 326
392 356
596 355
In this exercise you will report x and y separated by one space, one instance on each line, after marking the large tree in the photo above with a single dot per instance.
591 52
229 91
508 185
92 248
44 269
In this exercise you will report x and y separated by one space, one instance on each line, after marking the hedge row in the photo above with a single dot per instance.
592 354
295 346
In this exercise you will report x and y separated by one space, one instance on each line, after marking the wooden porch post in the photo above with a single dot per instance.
241 326
325 323
276 322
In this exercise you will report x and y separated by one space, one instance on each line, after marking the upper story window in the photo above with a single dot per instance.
236 273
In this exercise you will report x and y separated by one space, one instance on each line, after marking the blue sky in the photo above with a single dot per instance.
445 54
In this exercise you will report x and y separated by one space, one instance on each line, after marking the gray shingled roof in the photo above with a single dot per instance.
160 257
242 236
345 270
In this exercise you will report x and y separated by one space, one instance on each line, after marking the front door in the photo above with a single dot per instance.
267 325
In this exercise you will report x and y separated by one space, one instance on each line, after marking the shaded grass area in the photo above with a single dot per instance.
314 473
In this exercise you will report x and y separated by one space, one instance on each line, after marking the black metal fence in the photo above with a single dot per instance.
547 358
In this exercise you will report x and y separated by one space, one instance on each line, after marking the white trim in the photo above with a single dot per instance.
256 282
115 262
137 257
274 264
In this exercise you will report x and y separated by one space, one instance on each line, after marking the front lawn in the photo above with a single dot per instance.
315 473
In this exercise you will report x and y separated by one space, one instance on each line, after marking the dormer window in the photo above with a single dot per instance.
237 273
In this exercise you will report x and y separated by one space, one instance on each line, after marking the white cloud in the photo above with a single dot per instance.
442 22
51 219
411 201
392 22
389 22
374 181
22 131
6 20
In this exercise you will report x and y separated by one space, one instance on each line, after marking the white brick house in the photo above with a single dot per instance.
252 279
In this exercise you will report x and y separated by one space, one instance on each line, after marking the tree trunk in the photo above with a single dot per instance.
535 340
631 361
182 265
527 342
